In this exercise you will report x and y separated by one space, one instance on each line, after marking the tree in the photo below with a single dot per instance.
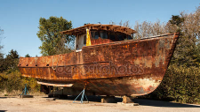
125 24
11 60
176 20
53 42
27 55
188 48
182 79
1 54
147 29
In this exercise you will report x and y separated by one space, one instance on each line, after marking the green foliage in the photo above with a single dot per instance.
53 42
27 55
180 84
10 77
10 62
1 54
176 20
187 51
1 63
14 81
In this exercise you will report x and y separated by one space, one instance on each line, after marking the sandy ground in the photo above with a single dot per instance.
41 104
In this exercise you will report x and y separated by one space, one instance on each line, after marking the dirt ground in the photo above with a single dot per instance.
41 104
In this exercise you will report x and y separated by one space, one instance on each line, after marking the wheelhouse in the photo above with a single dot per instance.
94 34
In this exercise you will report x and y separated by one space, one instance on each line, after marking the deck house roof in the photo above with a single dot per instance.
105 27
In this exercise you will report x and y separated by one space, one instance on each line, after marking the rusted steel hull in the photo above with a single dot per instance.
131 68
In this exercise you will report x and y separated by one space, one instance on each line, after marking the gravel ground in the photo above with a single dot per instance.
41 104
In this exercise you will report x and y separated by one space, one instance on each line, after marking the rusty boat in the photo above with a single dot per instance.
106 60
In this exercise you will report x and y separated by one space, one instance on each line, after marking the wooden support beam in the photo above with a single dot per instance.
127 99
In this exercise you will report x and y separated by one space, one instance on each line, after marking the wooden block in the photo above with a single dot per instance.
108 99
127 99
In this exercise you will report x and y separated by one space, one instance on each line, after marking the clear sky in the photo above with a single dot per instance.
20 18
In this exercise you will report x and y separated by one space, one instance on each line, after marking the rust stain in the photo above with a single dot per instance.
113 68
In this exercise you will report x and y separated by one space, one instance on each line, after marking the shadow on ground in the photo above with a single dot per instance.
142 102
3 110
156 103
7 97
3 97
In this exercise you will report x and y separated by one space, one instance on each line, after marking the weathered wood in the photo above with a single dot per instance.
127 99
76 31
108 99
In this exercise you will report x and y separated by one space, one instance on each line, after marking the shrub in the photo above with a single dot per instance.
180 84
14 81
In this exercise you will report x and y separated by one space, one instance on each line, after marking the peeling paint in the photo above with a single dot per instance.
116 68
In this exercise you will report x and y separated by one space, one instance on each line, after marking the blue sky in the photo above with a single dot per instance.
20 18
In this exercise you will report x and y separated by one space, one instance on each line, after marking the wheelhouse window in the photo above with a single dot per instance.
129 37
120 36
103 35
95 34
112 36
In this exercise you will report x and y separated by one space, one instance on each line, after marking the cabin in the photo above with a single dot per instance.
94 34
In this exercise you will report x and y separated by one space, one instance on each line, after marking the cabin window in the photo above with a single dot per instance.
120 36
112 36
95 34
129 37
103 35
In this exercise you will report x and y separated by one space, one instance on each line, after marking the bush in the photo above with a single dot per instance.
14 81
180 84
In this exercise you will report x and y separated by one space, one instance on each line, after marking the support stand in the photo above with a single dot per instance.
24 93
82 96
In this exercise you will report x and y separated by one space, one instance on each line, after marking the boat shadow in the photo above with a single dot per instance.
7 97
142 102
157 103
2 98
3 110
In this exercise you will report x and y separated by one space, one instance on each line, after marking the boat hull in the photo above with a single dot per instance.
131 68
